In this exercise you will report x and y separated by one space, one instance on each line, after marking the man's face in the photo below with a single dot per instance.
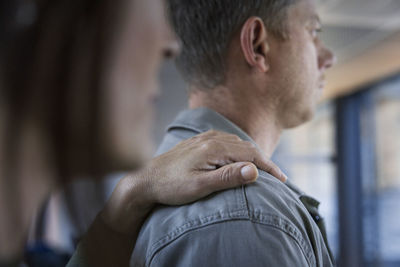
142 41
298 65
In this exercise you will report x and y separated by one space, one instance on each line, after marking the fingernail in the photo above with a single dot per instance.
284 176
249 173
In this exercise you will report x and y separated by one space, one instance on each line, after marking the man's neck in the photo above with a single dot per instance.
259 124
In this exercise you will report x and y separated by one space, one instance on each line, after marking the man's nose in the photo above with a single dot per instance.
327 58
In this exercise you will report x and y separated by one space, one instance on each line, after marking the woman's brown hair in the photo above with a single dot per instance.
52 73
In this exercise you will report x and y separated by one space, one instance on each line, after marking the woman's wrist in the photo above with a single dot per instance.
129 204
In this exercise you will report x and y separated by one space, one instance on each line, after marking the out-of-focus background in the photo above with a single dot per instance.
348 157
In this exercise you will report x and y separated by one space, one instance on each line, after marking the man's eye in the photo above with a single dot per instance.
316 32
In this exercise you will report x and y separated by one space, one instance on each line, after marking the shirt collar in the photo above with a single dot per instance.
204 119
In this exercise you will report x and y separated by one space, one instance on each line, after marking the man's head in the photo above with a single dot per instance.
265 52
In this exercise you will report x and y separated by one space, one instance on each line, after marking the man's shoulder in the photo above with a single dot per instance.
270 197
266 196
267 202
168 223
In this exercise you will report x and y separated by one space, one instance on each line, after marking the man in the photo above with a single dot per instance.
254 69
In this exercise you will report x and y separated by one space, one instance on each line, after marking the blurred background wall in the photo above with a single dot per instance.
348 157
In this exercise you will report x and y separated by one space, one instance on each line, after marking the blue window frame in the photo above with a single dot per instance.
368 164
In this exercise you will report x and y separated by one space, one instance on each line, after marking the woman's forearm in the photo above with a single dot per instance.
112 236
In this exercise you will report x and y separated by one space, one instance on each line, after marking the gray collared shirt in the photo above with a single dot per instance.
268 223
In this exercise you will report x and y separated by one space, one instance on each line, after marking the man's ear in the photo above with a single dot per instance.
254 43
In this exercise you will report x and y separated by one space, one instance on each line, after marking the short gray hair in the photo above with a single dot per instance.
206 27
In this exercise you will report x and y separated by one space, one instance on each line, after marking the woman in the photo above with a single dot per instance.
78 79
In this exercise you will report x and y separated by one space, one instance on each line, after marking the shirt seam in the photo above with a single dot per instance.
290 229
192 225
255 217
241 212
287 227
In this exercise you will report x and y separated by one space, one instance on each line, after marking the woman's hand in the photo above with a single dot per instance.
204 164
195 168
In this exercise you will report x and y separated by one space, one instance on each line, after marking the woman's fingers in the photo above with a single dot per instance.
222 152
230 176
204 183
